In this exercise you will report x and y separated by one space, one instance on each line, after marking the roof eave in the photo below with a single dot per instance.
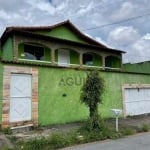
11 32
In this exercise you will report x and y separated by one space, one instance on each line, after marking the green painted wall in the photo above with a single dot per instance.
0 52
56 55
64 33
1 87
7 49
59 94
113 92
74 57
138 67
97 60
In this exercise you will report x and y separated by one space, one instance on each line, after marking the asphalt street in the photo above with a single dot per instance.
136 142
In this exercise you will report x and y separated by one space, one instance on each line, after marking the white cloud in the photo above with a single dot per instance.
44 6
4 15
126 11
138 52
146 37
130 40
85 9
12 5
123 36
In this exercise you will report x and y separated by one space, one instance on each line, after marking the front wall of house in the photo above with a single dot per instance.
7 53
59 93
63 33
1 87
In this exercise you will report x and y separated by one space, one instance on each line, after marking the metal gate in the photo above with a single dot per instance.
20 97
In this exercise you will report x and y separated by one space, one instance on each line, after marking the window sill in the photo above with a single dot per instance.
88 66
109 68
66 65
38 61
56 64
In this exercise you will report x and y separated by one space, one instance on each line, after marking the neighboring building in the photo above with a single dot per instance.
143 67
42 71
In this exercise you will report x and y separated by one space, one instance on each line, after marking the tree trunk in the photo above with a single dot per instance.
94 117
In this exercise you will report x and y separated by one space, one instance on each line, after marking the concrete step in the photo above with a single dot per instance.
20 129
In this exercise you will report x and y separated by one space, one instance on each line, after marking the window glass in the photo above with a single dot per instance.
87 59
33 52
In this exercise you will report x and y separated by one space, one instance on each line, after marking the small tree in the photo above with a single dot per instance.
92 91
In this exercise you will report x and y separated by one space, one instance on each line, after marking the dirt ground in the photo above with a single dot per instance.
133 122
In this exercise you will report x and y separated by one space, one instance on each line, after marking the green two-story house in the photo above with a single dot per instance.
41 70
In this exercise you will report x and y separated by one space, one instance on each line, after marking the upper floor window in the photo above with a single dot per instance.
87 59
33 52
112 62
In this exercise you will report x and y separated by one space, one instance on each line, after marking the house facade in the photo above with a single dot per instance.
43 69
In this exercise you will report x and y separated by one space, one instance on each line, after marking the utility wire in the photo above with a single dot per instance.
118 22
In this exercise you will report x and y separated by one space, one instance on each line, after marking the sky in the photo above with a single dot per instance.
119 24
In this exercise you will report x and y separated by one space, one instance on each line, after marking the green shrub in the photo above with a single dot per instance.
145 128
102 133
91 96
128 131
7 131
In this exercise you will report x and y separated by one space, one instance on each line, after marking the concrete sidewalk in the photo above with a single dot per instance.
133 122
5 142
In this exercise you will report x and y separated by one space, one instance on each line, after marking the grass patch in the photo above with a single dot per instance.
82 135
55 141
128 131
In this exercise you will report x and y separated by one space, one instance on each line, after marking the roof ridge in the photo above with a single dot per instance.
37 27
68 23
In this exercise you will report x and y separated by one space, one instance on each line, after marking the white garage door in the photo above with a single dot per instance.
20 97
137 101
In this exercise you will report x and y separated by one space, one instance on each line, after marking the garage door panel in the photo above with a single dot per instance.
137 101
137 108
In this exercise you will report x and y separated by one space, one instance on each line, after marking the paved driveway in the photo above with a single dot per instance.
135 142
